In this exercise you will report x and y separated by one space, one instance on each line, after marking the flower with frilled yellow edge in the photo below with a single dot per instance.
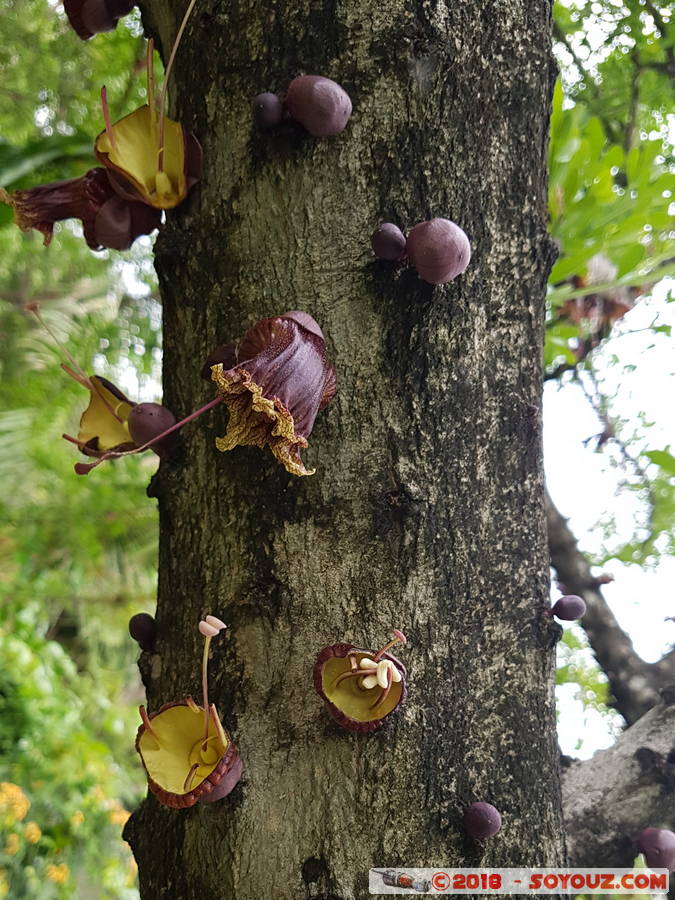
274 381
187 754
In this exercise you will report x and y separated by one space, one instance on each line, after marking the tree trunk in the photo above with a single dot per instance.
426 510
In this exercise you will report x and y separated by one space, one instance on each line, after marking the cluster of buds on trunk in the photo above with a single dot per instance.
439 250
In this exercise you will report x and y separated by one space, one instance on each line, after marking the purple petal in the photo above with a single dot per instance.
280 381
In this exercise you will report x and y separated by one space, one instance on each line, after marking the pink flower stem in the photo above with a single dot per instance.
399 638
167 73
106 116
205 689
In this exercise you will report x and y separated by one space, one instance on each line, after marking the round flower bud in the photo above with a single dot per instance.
143 628
658 847
439 250
319 104
482 820
148 420
569 608
96 16
388 242
267 110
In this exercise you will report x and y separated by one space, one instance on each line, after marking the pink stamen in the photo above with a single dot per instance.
191 703
354 673
85 468
77 373
399 638
146 723
84 380
150 72
219 727
81 375
167 73
106 116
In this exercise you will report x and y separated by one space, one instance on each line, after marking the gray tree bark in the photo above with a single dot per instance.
610 798
426 511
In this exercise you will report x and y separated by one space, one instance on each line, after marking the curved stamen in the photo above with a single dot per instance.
167 73
353 674
384 693
150 74
148 727
399 638
106 116
187 784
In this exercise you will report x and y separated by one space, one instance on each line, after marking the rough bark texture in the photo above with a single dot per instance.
610 798
426 511
634 683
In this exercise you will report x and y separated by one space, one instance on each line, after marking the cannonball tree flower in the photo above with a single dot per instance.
90 17
149 157
187 754
108 220
361 688
112 423
274 382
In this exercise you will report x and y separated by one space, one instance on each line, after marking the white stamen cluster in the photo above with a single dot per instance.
377 673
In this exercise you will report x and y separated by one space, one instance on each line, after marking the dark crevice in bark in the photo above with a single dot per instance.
634 683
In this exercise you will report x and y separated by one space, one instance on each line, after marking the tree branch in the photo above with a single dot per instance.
610 798
634 683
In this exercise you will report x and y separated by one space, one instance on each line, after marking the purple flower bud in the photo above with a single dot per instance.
388 242
439 250
569 608
148 420
118 223
90 17
143 628
658 847
482 820
319 104
279 381
267 110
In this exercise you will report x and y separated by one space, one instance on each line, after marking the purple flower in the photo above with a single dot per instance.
107 219
274 382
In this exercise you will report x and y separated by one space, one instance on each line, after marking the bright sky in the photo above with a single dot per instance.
585 485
